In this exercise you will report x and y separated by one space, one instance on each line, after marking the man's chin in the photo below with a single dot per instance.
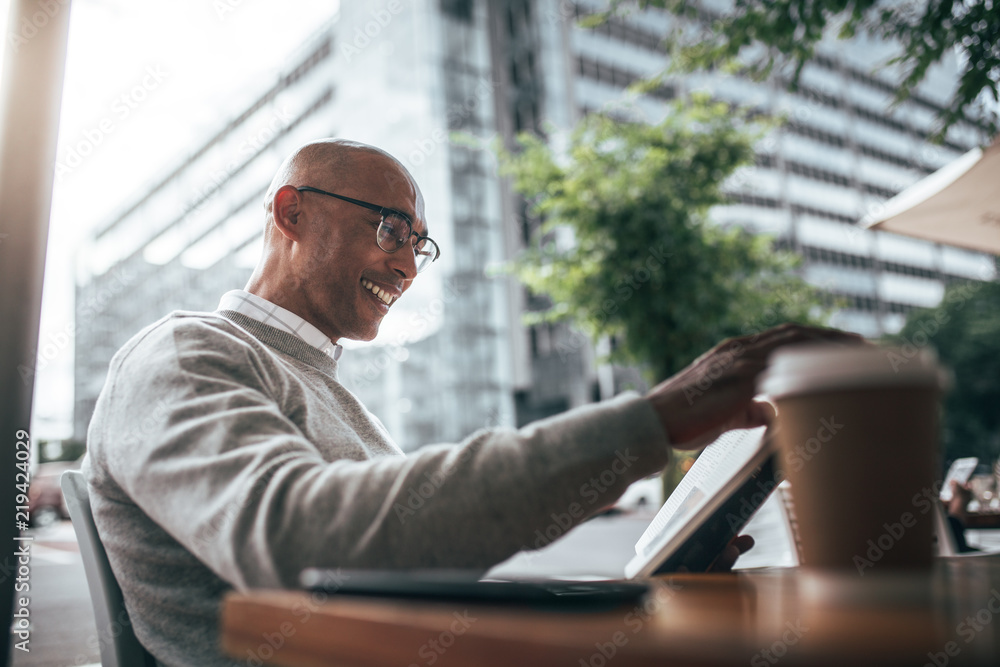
365 336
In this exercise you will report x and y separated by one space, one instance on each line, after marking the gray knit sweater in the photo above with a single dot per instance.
224 454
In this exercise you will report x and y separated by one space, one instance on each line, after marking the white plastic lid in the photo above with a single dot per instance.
809 368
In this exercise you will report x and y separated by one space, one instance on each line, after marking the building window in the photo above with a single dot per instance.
458 9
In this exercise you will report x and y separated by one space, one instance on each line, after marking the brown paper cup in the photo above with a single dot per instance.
857 428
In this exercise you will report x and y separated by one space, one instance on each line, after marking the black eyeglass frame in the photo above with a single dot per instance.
382 211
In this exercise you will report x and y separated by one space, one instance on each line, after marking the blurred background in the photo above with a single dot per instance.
176 116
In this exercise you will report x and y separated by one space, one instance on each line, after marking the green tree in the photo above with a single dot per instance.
764 37
965 331
626 249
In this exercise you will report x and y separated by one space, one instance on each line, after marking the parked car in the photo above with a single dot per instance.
45 500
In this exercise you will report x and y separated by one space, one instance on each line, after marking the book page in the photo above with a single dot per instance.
718 463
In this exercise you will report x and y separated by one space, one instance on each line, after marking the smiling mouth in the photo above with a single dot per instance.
384 296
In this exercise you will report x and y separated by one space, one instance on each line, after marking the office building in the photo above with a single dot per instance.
453 355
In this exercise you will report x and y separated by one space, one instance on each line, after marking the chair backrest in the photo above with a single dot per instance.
790 519
947 545
119 646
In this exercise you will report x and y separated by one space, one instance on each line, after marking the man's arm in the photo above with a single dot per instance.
222 469
226 473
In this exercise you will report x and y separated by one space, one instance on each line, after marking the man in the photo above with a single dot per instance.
224 453
957 514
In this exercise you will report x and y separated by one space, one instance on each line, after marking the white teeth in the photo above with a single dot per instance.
377 291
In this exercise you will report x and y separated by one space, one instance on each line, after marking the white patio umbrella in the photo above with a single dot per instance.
958 204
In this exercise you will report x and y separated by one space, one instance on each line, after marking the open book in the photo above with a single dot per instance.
727 484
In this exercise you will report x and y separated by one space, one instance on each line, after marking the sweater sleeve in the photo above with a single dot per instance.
204 450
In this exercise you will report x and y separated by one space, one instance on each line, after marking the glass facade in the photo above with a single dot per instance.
839 157
434 82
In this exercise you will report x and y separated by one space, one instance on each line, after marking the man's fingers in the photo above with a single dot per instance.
714 394
743 543
726 560
737 546
789 334
760 413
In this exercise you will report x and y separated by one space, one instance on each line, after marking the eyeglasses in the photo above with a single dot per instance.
394 230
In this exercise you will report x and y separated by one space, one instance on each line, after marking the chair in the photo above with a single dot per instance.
119 646
947 545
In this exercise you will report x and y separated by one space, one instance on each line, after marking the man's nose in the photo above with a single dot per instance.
404 262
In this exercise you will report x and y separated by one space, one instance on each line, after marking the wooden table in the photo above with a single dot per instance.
948 617
982 520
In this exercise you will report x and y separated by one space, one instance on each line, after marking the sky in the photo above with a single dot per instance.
146 83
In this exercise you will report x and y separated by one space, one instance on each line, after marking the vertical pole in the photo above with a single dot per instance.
34 62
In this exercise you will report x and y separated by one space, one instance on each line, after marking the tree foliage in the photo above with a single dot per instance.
765 36
965 331
626 249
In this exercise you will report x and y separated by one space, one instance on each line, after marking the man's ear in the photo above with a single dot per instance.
285 211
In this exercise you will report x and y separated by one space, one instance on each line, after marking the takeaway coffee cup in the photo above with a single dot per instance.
857 428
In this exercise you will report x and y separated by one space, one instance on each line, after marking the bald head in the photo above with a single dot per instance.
329 164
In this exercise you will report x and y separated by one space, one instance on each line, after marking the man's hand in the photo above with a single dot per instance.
961 495
715 393
737 546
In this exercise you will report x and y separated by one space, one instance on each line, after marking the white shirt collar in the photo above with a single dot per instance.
271 314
